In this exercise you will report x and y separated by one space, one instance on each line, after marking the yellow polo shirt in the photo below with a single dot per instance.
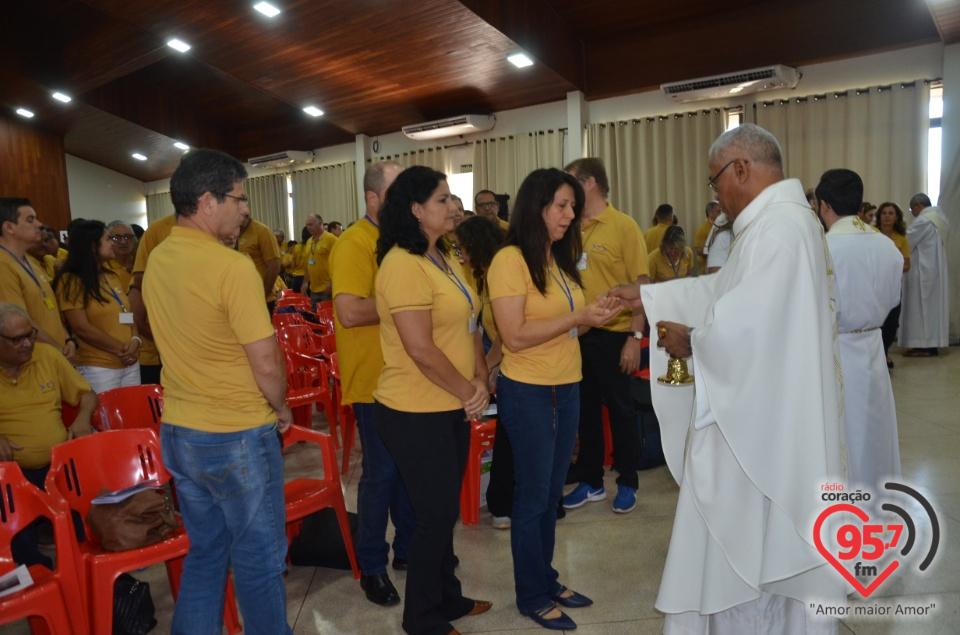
486 316
50 266
40 268
33 293
615 254
105 316
156 233
554 362
661 271
699 242
413 283
317 251
122 273
299 265
258 242
30 416
654 236
353 265
205 302
902 243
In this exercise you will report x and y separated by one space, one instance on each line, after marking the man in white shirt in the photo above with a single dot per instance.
925 319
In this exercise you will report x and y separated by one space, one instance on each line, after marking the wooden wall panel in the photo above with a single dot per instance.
33 165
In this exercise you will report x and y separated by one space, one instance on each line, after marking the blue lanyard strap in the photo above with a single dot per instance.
449 272
367 218
564 287
111 291
25 264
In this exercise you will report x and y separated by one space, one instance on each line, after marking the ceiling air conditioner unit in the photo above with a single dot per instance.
452 127
732 84
281 159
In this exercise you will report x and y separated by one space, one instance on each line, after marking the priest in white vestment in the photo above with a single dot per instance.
761 432
867 269
925 317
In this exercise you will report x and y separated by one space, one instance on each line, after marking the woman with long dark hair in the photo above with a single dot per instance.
538 302
96 307
891 224
434 381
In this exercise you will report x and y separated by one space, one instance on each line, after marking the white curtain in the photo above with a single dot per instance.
501 164
330 191
158 206
658 160
880 133
438 159
268 200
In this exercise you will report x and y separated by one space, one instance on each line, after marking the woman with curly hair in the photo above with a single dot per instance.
891 224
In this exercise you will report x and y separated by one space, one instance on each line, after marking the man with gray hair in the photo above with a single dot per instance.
124 250
760 431
925 319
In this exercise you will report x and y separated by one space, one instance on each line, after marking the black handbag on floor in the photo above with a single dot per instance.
132 607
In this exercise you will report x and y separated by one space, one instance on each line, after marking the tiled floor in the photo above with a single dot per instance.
618 559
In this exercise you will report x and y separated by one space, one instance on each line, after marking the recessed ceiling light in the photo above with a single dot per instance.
181 145
183 47
138 156
267 9
520 60
23 112
61 97
313 110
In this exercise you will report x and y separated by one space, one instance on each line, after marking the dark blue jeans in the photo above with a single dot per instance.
380 495
541 422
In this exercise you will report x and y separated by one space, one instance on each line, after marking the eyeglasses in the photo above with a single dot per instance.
712 183
122 237
242 199
491 205
20 339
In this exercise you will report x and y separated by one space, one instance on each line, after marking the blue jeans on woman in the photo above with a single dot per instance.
541 422
230 490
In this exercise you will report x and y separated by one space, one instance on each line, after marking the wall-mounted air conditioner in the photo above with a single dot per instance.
281 159
451 127
732 84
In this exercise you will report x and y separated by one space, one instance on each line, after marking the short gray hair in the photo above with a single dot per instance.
9 308
751 142
118 223
920 199
710 206
374 180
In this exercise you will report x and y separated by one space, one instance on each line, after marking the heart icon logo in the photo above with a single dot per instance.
874 542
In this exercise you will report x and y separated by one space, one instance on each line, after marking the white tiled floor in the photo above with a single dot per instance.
618 559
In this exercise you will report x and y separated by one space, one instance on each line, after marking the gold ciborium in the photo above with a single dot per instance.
677 374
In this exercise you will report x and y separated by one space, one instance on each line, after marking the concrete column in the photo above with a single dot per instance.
364 152
577 117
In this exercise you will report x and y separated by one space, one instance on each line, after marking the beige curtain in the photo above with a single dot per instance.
268 200
158 206
658 160
329 190
436 158
501 164
880 133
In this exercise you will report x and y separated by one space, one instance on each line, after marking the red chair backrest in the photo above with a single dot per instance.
20 504
298 301
328 345
286 294
298 338
288 319
305 372
113 460
131 407
324 305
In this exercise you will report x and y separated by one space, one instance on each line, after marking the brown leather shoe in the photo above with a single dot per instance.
480 606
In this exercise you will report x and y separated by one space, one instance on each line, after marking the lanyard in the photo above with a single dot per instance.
450 274
111 291
367 218
236 247
563 287
676 269
25 264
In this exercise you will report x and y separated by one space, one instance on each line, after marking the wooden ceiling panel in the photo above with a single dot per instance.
946 13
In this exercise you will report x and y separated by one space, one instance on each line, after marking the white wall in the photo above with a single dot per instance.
100 193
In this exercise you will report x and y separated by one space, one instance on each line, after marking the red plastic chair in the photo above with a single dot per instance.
301 339
325 317
328 345
305 496
348 420
78 472
482 435
298 302
54 603
324 304
286 294
69 414
308 383
131 407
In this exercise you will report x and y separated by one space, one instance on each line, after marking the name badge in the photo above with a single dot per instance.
49 302
472 324
310 262
582 263
126 317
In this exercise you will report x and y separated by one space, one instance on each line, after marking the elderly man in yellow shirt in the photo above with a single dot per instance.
487 206
124 251
317 281
35 379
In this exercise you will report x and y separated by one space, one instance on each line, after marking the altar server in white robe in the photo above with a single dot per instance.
867 269
925 317
761 431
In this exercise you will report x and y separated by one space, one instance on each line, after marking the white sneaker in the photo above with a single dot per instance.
501 522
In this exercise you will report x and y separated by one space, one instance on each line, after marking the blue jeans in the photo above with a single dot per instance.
380 494
230 490
541 422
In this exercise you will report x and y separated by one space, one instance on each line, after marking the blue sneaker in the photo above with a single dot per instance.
583 494
626 499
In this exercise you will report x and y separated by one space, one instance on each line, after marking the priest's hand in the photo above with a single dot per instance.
628 294
674 338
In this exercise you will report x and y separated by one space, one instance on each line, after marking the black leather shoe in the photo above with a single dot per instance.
380 589
401 564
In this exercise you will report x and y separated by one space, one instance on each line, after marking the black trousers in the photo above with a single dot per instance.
500 488
430 450
604 383
889 329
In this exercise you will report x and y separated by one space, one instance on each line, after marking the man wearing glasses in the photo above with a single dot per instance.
753 440
487 206
124 248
